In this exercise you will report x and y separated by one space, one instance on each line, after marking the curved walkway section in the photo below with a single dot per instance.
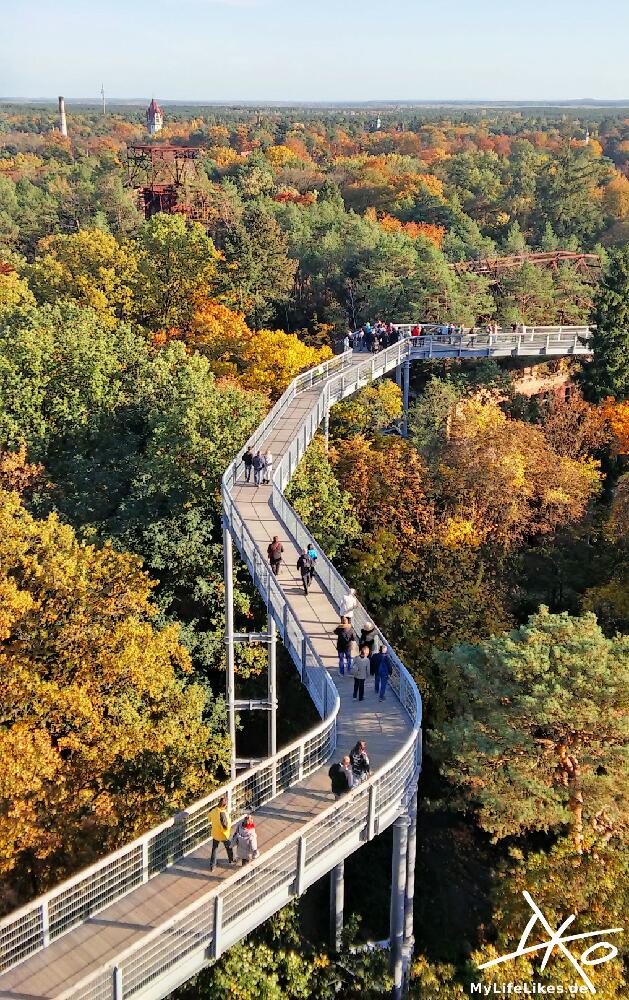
149 916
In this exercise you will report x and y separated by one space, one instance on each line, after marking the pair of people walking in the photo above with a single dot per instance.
245 837
262 465
353 768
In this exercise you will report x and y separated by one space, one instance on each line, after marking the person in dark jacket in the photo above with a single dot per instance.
368 637
258 465
345 636
305 565
342 777
383 670
274 552
248 463
361 767
314 555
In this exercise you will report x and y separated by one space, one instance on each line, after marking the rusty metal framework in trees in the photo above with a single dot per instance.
166 179
494 267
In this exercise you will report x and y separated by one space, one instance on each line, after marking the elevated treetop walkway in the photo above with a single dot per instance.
149 916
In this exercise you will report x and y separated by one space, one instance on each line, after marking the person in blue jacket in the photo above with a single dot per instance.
381 665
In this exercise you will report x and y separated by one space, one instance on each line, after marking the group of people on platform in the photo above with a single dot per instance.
357 655
361 656
382 335
371 338
261 464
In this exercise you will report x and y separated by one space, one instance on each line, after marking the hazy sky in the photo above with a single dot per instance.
315 49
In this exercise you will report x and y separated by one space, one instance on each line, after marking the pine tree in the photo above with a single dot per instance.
608 373
539 727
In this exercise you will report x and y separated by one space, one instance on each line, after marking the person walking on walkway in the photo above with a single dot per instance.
267 473
258 466
314 555
305 566
248 462
345 636
360 672
348 605
361 767
246 840
274 552
368 637
221 831
342 777
383 670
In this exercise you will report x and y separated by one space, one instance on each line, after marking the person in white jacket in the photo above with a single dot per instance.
348 605
267 474
246 840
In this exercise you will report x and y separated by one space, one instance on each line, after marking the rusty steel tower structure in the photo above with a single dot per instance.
166 180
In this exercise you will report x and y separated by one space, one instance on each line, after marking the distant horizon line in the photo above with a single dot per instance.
585 102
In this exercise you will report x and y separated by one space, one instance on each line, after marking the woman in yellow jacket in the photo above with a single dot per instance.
221 831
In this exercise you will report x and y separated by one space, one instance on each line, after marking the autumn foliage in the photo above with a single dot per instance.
262 360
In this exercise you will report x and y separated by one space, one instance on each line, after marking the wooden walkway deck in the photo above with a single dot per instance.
384 725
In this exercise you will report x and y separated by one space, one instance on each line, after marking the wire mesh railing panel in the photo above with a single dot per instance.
252 791
73 904
392 783
317 750
21 937
101 987
350 816
259 882
288 769
192 932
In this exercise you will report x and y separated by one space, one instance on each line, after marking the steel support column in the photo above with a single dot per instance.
337 899
398 887
272 689
406 381
398 376
228 567
411 850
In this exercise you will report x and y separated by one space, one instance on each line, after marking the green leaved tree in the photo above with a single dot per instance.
608 372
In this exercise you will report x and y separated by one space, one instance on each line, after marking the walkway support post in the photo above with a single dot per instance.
337 899
272 694
228 566
398 376
411 851
398 888
326 428
407 373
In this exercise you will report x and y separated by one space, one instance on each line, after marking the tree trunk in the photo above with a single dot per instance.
568 773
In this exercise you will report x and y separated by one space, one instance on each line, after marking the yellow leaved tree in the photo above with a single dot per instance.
91 267
14 291
261 360
101 734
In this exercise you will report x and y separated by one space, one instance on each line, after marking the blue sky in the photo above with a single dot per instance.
323 50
